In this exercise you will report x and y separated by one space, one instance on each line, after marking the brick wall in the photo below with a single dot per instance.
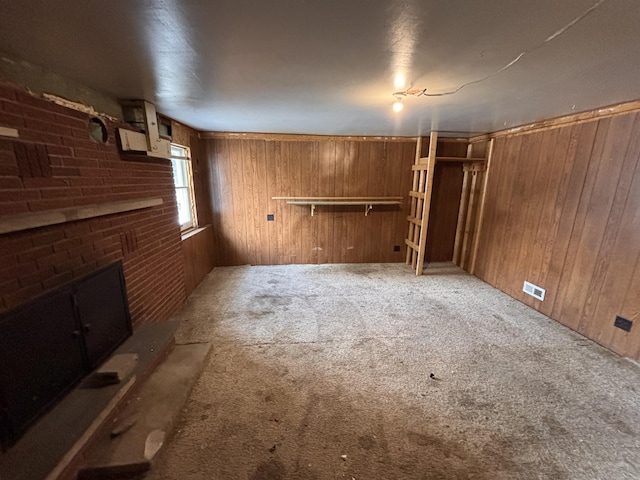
54 164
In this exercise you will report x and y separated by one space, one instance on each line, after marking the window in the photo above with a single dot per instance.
183 180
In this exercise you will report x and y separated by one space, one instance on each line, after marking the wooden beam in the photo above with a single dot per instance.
151 125
460 159
26 221
462 216
279 137
467 223
416 194
411 245
480 217
462 210
422 175
574 119
414 202
433 141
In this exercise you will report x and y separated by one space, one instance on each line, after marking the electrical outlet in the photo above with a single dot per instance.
396 248
270 217
623 323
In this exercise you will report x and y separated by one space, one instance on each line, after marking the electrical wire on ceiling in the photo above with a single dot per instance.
417 92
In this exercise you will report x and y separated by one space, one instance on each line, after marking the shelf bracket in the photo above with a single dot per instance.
313 209
367 209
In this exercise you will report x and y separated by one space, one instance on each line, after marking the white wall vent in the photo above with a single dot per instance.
533 290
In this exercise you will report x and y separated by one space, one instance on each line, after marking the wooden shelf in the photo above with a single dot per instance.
423 161
368 202
26 221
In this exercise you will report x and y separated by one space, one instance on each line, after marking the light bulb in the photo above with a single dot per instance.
397 106
398 82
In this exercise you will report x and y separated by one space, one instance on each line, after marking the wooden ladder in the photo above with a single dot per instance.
420 196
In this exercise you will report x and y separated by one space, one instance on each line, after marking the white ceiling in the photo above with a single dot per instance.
328 66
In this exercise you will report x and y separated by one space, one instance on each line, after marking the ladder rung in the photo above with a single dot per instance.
417 194
414 220
419 167
411 245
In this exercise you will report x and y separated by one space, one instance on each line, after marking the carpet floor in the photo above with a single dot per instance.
369 372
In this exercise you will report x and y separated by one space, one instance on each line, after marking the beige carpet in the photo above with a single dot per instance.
323 372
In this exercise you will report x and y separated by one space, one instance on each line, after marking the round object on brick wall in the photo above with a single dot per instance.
98 130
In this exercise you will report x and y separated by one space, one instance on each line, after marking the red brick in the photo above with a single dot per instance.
21 109
22 296
59 150
10 246
11 121
93 172
80 162
47 126
90 153
79 123
113 156
76 142
9 171
108 259
100 190
6 144
67 244
41 274
81 133
18 270
47 237
65 171
35 253
39 114
7 158
45 183
85 269
13 208
7 92
52 259
67 192
84 173
51 204
115 248
69 265
10 182
84 251
86 182
57 280
9 286
41 137
19 195
93 200
26 98
76 229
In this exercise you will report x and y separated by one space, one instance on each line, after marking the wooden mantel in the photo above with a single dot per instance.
26 221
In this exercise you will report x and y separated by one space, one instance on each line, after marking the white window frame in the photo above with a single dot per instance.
181 159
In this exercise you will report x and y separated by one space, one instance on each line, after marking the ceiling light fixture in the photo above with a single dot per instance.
399 81
414 92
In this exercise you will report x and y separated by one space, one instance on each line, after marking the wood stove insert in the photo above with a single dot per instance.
52 342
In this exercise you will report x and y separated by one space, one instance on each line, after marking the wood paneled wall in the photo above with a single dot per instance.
563 212
245 174
198 251
197 247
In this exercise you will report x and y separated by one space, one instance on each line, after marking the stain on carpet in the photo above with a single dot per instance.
271 470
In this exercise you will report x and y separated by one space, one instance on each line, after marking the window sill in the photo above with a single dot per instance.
195 231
